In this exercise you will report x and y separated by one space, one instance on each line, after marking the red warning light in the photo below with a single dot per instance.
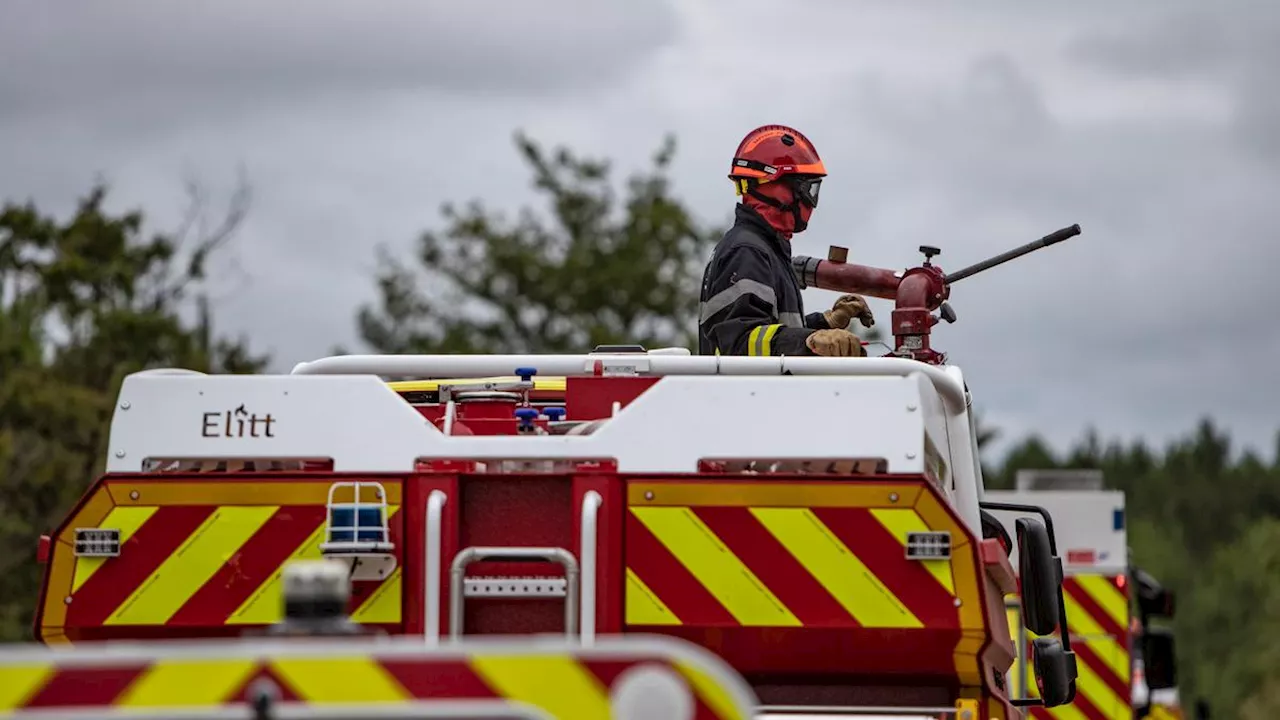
1121 581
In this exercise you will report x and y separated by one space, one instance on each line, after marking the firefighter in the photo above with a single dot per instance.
750 303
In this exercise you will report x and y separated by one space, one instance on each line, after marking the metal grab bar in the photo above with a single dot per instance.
435 529
591 502
465 366
560 556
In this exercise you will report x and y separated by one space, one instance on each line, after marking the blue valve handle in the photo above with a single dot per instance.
526 416
526 373
554 414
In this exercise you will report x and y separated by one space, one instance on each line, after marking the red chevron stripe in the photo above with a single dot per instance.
86 687
1086 655
885 557
1072 587
670 580
145 551
776 567
251 566
435 679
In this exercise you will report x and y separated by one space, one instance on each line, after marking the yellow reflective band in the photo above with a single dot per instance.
644 607
179 683
1091 633
383 604
556 683
191 565
1093 687
19 683
1108 597
340 680
833 565
126 519
715 566
901 521
760 341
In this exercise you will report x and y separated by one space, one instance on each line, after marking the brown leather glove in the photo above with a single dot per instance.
846 308
835 343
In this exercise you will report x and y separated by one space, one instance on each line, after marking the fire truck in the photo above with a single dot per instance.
1126 664
772 536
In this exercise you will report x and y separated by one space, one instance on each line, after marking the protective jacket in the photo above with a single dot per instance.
751 303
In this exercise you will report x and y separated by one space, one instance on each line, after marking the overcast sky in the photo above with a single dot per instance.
974 126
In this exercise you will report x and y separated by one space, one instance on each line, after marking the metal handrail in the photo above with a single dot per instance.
591 502
560 556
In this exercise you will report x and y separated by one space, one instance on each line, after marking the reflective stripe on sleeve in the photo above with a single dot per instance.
729 295
760 342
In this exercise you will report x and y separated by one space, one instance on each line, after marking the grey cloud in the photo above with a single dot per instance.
220 55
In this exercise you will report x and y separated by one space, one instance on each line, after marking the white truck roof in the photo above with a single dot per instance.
1089 525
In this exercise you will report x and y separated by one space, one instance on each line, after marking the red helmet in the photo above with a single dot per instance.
773 151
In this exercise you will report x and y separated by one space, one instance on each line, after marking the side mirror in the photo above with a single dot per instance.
1159 603
1041 576
1159 661
1055 671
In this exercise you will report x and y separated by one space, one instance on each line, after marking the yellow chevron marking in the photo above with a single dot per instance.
715 566
644 607
1091 633
264 606
902 521
1107 595
19 683
188 683
712 693
340 680
191 565
838 570
383 604
1093 687
125 519
555 683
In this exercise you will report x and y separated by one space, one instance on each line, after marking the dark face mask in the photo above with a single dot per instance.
803 190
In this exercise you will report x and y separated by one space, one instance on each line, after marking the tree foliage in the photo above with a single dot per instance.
608 268
85 301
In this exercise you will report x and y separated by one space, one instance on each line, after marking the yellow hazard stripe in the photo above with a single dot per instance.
125 519
1091 633
191 565
837 568
644 607
902 521
19 683
177 683
383 604
340 680
545 383
1099 693
760 341
558 684
715 566
264 605
1107 595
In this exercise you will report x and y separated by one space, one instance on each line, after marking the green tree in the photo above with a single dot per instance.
605 269
83 302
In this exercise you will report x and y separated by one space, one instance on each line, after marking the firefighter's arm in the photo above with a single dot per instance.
741 316
816 321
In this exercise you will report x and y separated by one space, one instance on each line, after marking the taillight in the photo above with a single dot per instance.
43 549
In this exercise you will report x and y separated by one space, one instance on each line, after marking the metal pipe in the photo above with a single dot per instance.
591 502
858 279
560 556
434 539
